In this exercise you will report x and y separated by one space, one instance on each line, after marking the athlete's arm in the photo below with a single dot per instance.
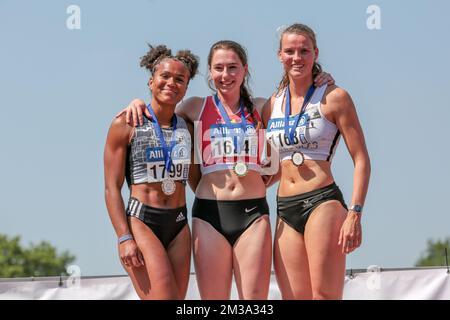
194 176
344 114
271 172
190 109
137 108
135 112
271 180
114 167
194 169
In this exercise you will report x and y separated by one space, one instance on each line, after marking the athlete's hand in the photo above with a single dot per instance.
135 112
323 78
350 236
130 255
266 179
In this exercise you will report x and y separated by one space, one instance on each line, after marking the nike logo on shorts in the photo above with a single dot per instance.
248 210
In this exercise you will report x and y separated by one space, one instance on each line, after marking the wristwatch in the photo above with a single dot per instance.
356 208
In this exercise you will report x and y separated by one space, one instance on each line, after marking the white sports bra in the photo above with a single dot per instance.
317 138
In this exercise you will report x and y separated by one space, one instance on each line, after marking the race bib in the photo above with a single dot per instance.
279 138
156 168
232 141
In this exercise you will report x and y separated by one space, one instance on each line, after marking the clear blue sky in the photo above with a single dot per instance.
60 88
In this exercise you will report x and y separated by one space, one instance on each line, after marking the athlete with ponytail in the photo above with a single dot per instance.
315 228
230 229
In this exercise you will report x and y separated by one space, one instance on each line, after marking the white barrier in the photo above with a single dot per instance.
398 284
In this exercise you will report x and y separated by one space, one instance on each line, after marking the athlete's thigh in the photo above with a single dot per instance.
179 253
156 280
326 260
291 262
252 260
213 261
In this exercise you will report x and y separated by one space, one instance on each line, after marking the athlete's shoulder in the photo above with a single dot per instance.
336 94
267 108
194 101
190 108
119 130
259 103
338 99
120 122
180 119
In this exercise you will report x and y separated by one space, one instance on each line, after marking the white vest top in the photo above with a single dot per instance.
317 139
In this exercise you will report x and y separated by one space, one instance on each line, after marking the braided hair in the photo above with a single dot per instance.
244 91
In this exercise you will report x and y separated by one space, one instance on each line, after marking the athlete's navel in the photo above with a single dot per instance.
166 201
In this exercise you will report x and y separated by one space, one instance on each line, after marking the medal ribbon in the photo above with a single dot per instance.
167 150
227 120
287 112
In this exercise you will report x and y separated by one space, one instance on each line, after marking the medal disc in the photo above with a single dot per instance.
297 158
240 169
168 186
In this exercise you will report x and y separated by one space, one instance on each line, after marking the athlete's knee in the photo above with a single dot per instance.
320 294
258 293
301 295
302 292
165 284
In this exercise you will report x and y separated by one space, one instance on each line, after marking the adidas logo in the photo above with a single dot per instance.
180 217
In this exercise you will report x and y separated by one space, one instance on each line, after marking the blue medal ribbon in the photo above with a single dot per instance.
227 119
287 112
167 150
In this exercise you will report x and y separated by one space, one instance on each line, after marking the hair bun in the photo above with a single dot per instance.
154 55
190 60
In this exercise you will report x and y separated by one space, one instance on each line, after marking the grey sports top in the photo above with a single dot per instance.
145 158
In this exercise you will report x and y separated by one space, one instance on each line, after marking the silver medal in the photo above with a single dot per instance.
168 186
241 169
298 158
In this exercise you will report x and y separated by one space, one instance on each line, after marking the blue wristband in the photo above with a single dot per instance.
125 237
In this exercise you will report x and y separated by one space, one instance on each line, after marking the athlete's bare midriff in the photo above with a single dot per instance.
152 195
226 185
311 175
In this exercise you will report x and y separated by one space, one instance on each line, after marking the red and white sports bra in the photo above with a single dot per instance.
220 145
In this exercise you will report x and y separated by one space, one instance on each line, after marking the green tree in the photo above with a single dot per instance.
36 261
434 255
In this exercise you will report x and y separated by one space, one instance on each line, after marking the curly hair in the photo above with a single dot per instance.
157 54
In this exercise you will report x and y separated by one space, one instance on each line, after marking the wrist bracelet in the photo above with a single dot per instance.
125 237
